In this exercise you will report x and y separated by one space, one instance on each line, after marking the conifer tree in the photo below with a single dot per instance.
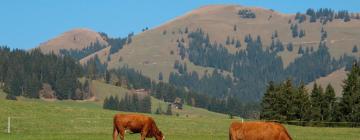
316 99
267 105
329 103
169 111
302 101
350 102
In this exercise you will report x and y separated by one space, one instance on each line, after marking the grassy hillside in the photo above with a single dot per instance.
71 120
76 39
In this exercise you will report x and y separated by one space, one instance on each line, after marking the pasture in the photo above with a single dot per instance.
74 120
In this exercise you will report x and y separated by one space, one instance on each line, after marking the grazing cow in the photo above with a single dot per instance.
258 131
136 124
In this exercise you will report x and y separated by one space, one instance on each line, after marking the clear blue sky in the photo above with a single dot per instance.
27 23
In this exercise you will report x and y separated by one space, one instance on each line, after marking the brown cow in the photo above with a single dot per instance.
258 131
136 124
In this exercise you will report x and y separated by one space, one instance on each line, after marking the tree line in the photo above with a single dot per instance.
23 73
286 102
130 103
79 54
168 92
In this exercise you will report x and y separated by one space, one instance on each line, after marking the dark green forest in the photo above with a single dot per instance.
287 102
23 73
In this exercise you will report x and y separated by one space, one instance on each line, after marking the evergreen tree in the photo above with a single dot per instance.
355 49
160 76
350 102
316 100
238 44
227 42
146 104
294 30
169 111
329 103
302 33
290 47
267 104
301 50
302 101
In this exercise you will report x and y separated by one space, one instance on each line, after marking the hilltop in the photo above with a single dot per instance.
76 39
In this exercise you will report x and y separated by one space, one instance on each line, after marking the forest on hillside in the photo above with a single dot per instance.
251 68
289 103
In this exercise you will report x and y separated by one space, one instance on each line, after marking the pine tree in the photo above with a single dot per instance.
302 33
289 108
267 104
316 99
355 49
135 103
227 42
238 44
290 47
301 50
160 76
169 111
302 101
146 104
329 103
350 102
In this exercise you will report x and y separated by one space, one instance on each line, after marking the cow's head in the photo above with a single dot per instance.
160 136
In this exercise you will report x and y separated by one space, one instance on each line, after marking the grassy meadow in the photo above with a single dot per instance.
74 120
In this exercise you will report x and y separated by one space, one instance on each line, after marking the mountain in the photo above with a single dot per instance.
155 50
76 39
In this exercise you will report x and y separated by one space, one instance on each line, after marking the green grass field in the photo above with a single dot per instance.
73 120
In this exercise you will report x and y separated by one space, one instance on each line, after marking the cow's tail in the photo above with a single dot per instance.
116 130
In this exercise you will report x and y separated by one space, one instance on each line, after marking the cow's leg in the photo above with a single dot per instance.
144 133
230 136
115 133
122 133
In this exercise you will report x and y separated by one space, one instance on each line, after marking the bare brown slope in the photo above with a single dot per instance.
335 78
74 39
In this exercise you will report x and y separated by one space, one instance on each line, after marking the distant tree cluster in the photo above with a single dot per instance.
94 68
131 78
328 15
23 73
168 92
286 102
323 34
246 13
296 32
182 68
117 43
79 54
130 103
300 17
